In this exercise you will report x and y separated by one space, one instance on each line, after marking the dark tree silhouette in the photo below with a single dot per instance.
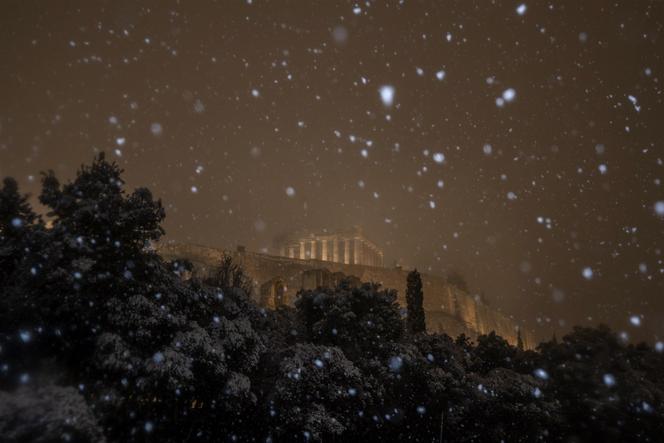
316 394
100 339
16 222
230 274
15 211
95 208
358 320
493 351
519 340
415 321
93 301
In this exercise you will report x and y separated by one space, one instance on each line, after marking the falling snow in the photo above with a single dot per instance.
387 95
513 150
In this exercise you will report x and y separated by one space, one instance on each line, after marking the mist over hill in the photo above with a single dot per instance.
103 340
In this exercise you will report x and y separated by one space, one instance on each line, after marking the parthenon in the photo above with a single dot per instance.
277 279
347 246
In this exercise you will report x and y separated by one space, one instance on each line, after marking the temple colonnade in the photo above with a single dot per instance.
334 248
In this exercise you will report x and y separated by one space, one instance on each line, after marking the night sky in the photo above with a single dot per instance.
523 145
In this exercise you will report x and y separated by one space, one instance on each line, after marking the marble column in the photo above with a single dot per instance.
363 253
357 251
347 251
335 249
313 249
302 255
323 249
291 251
380 259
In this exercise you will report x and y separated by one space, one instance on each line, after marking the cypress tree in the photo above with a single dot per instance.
415 321
519 340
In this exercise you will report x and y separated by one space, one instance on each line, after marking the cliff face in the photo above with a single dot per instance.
278 279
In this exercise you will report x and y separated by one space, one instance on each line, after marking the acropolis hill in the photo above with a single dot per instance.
309 260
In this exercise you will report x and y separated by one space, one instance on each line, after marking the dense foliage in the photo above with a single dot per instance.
102 340
415 322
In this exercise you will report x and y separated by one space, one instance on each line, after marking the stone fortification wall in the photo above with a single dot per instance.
447 308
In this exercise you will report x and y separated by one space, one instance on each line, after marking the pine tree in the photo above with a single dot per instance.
97 216
15 211
414 302
16 221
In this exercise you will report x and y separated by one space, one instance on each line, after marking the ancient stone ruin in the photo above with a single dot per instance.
309 261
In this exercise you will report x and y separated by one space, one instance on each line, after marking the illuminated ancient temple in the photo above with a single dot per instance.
307 260
348 246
